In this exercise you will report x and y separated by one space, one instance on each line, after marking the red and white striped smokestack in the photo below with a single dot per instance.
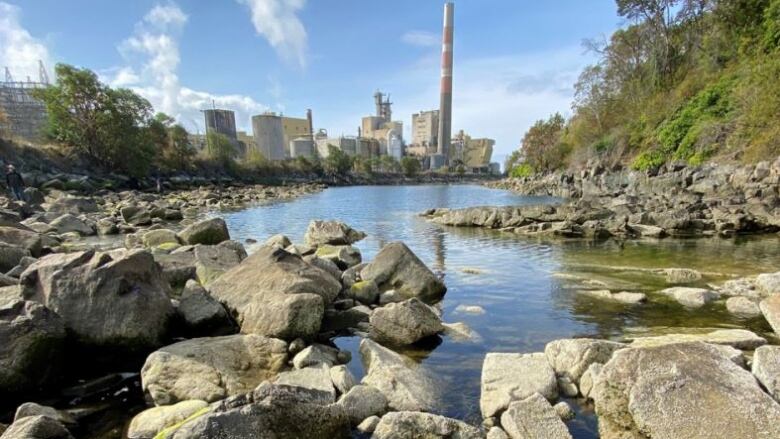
445 106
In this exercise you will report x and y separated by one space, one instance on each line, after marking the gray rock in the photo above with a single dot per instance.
408 424
314 355
315 379
11 256
17 270
178 266
366 292
368 425
25 239
588 378
621 297
660 392
324 264
404 323
115 299
681 275
280 241
742 306
208 232
461 333
331 233
736 338
390 296
160 237
211 369
136 215
564 411
342 378
201 313
270 411
344 256
567 387
571 357
32 353
212 261
533 417
362 402
768 283
766 367
405 383
149 422
770 308
691 297
396 268
496 433
37 427
277 294
33 409
512 377
68 223
73 205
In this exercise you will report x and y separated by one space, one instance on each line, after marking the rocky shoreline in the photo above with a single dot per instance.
676 200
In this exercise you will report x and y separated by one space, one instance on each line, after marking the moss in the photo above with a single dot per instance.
165 433
168 246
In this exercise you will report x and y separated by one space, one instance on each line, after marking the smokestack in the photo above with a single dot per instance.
445 106
311 123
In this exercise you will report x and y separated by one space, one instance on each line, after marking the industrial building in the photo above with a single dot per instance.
274 134
383 129
22 115
425 128
474 154
222 122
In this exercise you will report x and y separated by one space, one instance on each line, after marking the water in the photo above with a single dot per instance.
527 286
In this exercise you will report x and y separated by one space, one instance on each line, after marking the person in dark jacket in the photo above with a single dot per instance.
15 182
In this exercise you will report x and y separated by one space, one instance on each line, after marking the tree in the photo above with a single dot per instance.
337 163
410 166
389 164
220 148
542 146
103 123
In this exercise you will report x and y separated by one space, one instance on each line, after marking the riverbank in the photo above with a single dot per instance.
677 200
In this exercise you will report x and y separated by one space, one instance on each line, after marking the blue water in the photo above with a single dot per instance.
511 277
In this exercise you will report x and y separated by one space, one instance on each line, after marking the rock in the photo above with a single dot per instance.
533 417
396 268
366 292
470 309
11 256
736 338
201 313
314 355
405 384
512 377
368 425
362 402
324 264
770 308
409 424
344 256
25 239
691 297
37 427
461 333
331 233
32 350
315 379
156 238
34 196
279 412
390 296
646 231
114 299
621 297
588 378
73 205
766 367
106 227
564 411
17 270
768 283
277 294
136 215
280 241
681 275
570 358
496 433
742 306
404 323
149 422
33 409
212 261
68 223
688 390
208 232
567 387
342 378
211 369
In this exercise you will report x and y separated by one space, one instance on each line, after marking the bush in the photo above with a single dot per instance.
410 166
521 170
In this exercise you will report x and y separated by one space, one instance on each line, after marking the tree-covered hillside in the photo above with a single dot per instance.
683 80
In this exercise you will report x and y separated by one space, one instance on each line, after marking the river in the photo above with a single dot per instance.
526 286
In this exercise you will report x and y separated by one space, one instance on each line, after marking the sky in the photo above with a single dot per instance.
515 60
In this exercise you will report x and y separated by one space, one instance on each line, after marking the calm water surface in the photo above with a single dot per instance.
527 286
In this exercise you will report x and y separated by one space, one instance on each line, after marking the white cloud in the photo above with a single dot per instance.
19 51
153 57
278 22
421 38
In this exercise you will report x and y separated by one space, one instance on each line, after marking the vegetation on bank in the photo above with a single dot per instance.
685 80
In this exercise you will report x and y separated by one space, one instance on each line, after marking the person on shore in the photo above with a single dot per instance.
15 182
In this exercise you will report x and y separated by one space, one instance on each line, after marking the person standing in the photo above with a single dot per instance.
15 182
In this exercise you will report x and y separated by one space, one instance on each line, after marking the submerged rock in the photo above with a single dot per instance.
331 233
737 338
404 323
512 377
686 390
396 268
533 417
408 424
621 297
211 369
691 297
681 275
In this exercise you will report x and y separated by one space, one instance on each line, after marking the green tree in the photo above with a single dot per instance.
389 164
542 144
410 166
337 162
219 148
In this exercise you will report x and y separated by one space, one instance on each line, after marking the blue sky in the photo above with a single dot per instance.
515 60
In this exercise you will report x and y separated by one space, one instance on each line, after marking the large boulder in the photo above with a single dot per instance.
405 383
766 367
331 232
178 266
688 390
362 402
37 427
11 256
73 205
277 294
208 232
114 299
212 261
315 379
404 323
570 358
768 283
201 313
512 377
533 417
68 223
149 422
25 239
269 412
408 424
210 369
770 307
396 268
33 343
136 215
164 238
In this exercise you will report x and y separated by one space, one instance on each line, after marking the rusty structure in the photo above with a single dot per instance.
21 115
445 106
